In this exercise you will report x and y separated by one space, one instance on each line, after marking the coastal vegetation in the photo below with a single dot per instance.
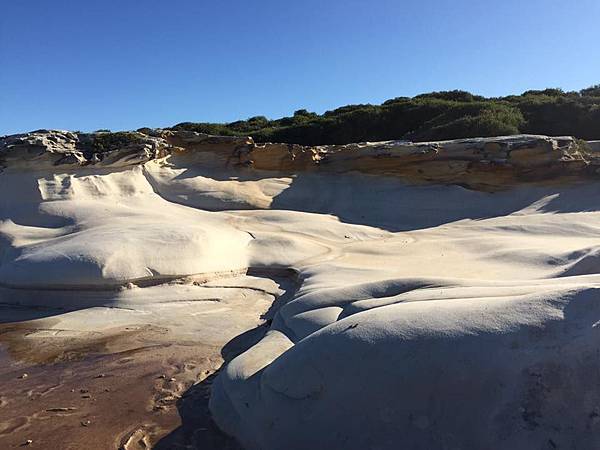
432 116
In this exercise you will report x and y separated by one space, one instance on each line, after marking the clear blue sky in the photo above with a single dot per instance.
123 64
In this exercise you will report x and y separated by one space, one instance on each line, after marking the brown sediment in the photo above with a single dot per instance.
117 389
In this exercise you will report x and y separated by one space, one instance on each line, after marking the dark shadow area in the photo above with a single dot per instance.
585 198
227 173
198 430
381 201
244 341
390 204
17 313
22 304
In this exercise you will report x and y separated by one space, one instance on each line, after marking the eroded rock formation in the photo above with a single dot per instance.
360 297
48 148
481 163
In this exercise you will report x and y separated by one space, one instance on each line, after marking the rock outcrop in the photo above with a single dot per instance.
483 163
44 149
479 163
391 297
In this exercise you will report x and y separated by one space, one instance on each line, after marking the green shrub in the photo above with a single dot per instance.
437 115
592 91
106 142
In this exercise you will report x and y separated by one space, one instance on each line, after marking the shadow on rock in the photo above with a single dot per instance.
197 430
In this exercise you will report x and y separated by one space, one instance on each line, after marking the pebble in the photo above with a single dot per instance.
24 376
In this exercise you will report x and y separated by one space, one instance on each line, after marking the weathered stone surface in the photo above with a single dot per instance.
395 295
227 148
479 163
483 163
46 148
286 157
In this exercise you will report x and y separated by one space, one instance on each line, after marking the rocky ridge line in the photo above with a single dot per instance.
479 163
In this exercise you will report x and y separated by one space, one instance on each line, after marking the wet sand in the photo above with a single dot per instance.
126 388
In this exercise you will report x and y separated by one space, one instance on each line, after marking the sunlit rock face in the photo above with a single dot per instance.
412 295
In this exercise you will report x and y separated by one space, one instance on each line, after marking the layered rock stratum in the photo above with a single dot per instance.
401 295
481 163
